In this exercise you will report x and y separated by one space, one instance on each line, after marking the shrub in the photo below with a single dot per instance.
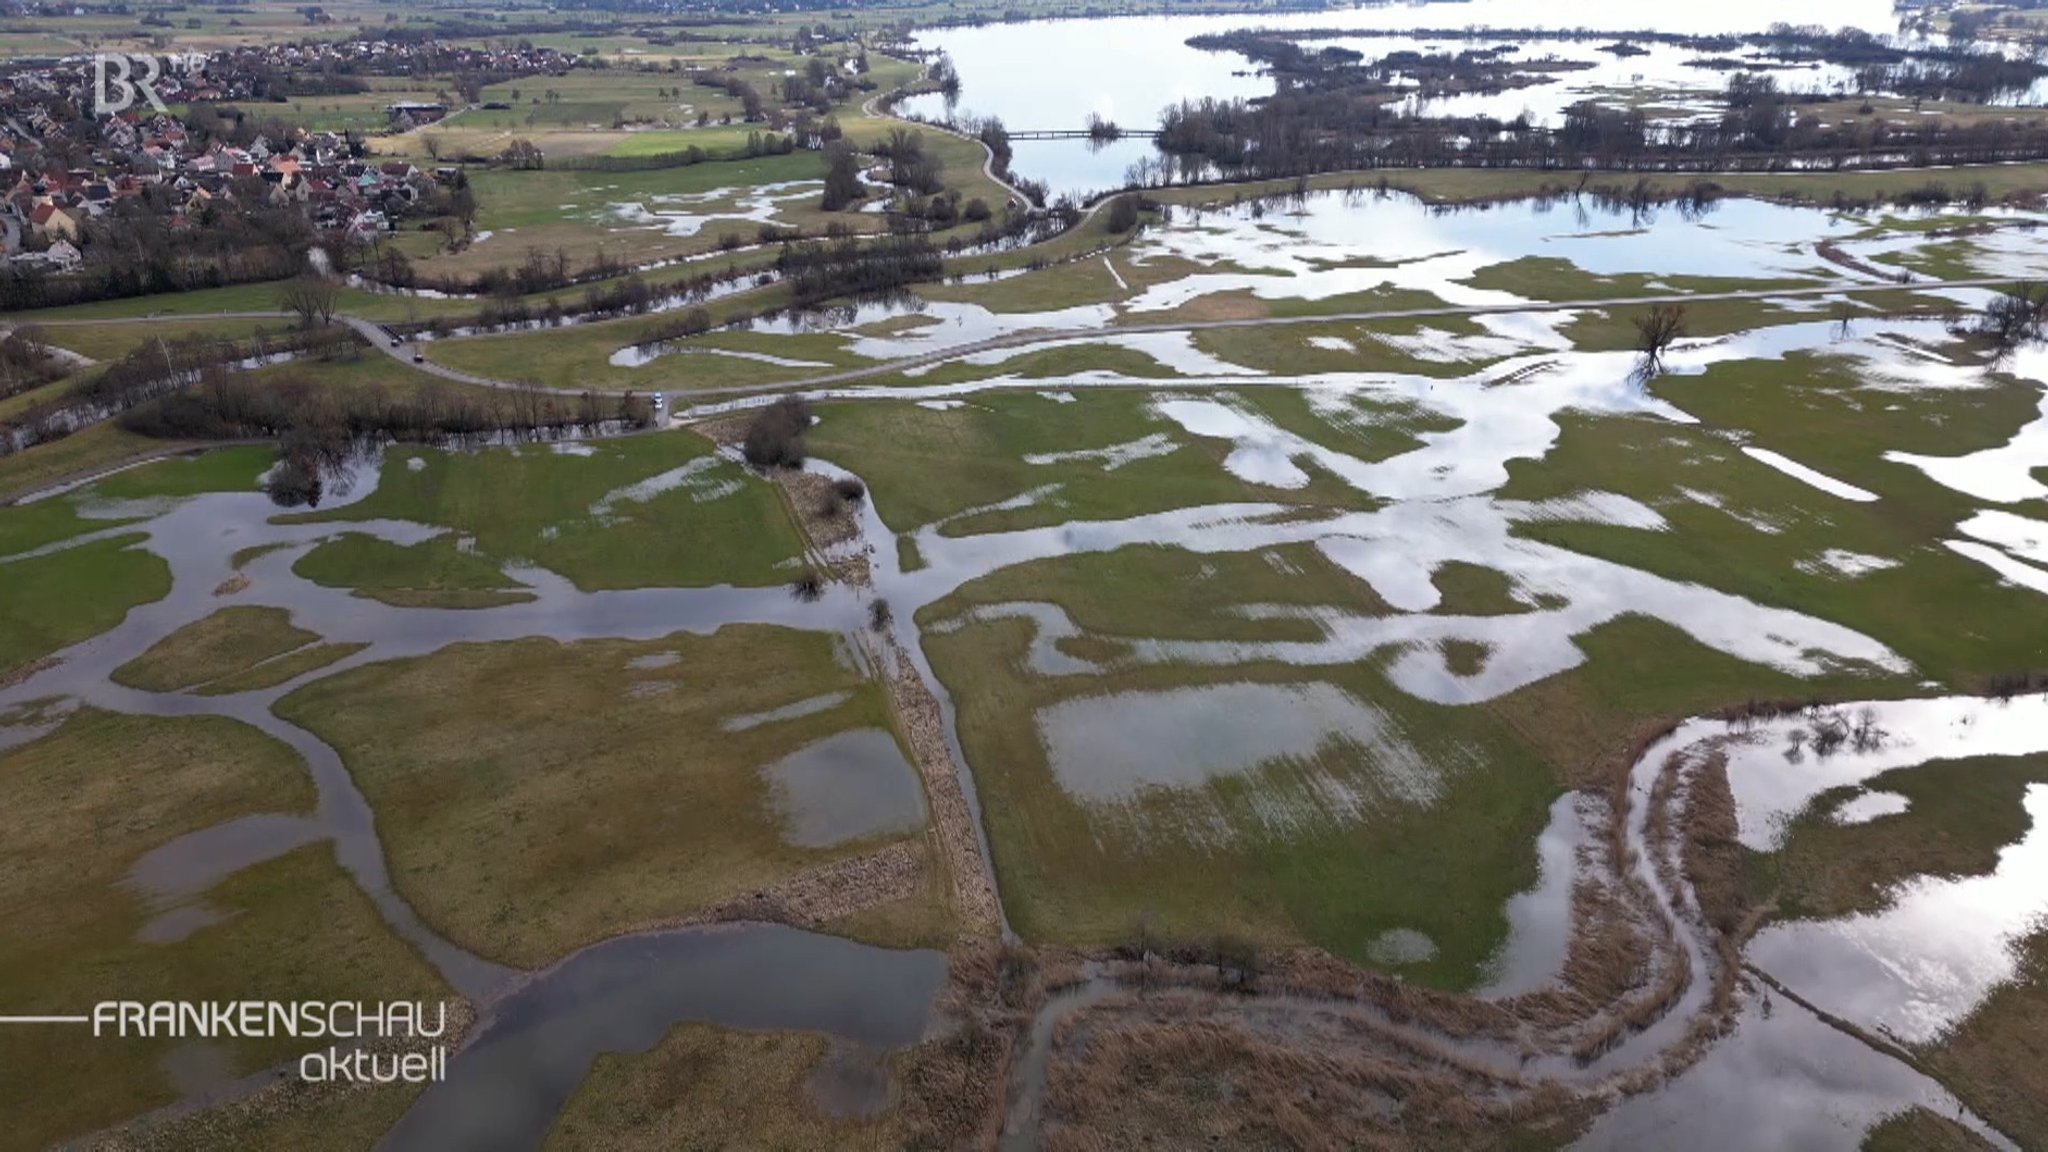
776 437
1123 214
295 482
807 587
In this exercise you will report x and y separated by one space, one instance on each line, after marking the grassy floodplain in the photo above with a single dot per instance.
581 516
230 642
612 797
64 595
981 448
92 798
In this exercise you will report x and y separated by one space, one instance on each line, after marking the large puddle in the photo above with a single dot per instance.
1114 748
846 787
1781 1079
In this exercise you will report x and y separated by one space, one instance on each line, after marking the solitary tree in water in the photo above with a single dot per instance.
2015 317
1655 331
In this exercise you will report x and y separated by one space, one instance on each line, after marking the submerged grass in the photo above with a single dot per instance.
1250 853
981 447
1743 527
1997 1060
578 515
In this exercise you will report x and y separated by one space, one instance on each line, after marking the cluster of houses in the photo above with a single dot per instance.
43 213
61 166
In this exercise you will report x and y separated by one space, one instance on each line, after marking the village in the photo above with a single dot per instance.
67 162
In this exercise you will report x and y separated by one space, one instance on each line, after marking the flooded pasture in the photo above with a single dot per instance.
1111 748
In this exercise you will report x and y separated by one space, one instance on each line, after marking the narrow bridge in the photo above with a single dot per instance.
1077 134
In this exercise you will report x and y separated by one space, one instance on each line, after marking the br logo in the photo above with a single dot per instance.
119 79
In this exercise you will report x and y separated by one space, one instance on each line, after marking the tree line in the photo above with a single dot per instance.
817 272
1293 134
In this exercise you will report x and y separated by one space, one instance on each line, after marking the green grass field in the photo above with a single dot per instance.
229 643
581 516
52 602
435 573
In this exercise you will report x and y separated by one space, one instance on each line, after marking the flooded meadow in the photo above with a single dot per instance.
1337 583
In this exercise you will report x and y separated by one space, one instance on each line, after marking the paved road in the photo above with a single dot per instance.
988 156
380 337
1015 339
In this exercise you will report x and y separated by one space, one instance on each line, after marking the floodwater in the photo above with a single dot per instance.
1434 503
1782 1079
1395 253
1920 966
1127 68
1539 920
197 538
671 212
849 786
506 1086
1114 748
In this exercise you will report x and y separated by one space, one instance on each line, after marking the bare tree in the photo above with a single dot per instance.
311 299
2015 317
1655 332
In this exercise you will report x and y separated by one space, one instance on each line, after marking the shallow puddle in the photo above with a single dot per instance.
1864 807
809 706
1539 920
1111 749
846 787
